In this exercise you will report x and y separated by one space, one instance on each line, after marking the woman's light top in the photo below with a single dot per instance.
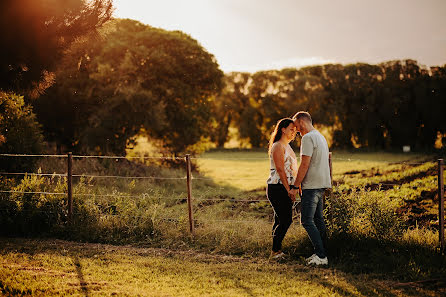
290 164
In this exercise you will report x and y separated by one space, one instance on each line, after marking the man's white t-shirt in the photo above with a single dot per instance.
313 144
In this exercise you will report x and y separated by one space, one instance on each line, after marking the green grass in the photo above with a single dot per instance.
60 268
248 170
370 240
244 170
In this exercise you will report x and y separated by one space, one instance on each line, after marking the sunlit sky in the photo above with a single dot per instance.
252 35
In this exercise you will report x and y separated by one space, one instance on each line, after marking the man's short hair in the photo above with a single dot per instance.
303 115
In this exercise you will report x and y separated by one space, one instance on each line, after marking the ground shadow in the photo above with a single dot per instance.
80 274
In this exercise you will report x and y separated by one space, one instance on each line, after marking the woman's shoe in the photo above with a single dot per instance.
276 255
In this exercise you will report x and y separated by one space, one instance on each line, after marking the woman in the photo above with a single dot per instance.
282 176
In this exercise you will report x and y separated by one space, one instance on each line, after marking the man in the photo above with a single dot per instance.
313 176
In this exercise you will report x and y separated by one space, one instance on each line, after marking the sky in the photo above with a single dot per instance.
254 35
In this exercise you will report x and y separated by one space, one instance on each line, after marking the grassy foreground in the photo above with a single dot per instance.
60 268
381 218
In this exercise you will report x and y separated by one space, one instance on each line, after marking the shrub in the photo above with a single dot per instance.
26 213
363 213
19 133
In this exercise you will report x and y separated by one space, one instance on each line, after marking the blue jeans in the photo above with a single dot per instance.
313 219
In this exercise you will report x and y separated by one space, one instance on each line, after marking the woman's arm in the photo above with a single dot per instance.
278 154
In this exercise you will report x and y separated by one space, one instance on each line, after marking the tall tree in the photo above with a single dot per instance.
135 77
35 34
228 106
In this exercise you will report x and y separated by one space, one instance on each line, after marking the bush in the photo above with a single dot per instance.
363 213
19 133
32 210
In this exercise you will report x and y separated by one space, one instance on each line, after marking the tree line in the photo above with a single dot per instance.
382 106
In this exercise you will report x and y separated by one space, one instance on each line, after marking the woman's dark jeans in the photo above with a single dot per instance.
283 213
313 219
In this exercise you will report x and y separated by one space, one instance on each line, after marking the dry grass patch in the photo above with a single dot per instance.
56 268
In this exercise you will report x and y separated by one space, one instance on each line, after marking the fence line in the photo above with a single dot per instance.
151 177
381 161
126 177
136 196
86 175
33 210
176 219
133 216
43 193
189 178
232 200
25 155
241 178
122 157
32 174
205 158
234 221
124 196
235 158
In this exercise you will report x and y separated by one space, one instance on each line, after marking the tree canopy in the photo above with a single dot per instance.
35 34
382 106
136 78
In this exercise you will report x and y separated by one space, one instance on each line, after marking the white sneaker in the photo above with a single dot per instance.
315 260
310 258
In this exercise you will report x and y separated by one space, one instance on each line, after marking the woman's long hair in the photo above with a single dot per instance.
277 133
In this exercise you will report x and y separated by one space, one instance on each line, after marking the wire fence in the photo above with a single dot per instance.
188 178
168 178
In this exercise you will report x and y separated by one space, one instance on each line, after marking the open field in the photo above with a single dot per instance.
409 177
249 170
60 268
381 218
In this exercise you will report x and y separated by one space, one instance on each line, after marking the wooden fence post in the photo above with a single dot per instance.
330 210
69 185
330 162
189 194
441 203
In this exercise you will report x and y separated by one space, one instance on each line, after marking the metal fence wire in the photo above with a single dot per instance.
188 179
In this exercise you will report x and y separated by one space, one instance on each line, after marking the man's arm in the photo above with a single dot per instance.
301 172
303 168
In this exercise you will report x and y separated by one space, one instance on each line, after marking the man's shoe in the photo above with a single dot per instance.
317 261
310 258
277 255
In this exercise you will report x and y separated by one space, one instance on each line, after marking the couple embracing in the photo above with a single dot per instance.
289 183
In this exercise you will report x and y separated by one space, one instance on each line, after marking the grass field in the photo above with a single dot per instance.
381 219
248 170
61 268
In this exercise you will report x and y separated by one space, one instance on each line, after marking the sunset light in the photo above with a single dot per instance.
222 148
253 35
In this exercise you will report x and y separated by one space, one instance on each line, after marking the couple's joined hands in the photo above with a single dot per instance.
293 192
